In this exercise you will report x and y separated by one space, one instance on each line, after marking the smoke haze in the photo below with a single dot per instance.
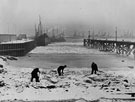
20 16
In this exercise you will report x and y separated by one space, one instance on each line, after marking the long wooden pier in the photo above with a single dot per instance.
120 47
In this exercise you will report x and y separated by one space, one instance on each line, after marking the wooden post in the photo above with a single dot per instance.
116 34
134 54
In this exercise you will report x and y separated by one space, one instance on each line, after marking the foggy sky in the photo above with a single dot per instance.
20 16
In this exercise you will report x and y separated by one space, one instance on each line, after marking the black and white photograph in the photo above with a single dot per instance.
67 50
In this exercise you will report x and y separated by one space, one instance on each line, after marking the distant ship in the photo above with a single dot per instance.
43 39
40 37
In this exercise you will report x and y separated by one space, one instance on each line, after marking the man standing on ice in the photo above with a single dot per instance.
94 68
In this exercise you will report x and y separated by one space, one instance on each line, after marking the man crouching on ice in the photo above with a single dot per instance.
35 74
60 70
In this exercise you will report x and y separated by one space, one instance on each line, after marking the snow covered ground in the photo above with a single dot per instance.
76 85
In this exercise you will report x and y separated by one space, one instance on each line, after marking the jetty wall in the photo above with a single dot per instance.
17 49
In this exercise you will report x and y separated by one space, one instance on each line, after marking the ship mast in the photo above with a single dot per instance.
40 27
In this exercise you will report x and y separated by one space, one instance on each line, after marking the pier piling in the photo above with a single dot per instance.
119 47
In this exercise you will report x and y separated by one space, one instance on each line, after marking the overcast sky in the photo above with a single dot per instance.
20 16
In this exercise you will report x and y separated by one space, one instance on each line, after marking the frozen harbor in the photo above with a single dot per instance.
73 54
113 82
75 23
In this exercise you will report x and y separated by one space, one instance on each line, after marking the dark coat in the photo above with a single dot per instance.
34 73
94 66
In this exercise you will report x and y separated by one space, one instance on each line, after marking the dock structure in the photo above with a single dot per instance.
12 46
17 48
120 47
